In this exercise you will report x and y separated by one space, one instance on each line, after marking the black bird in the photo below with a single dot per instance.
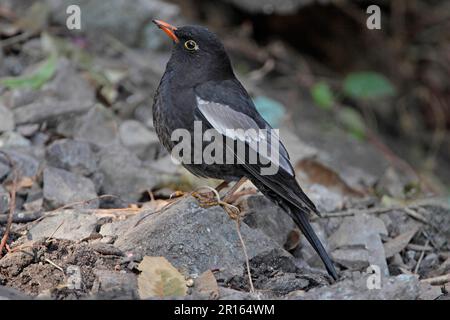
199 85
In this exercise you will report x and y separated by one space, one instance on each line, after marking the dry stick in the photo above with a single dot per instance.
247 262
422 254
436 281
12 203
54 264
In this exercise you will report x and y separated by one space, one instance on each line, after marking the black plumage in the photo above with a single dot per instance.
199 84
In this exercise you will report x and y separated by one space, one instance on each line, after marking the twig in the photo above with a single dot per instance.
244 248
16 39
54 264
416 215
12 203
418 247
56 230
422 254
436 281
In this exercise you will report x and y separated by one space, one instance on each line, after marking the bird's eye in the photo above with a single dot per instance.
191 45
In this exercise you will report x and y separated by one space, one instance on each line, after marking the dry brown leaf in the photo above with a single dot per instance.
24 182
206 285
399 243
317 173
159 278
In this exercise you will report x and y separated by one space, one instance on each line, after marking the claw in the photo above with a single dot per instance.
206 201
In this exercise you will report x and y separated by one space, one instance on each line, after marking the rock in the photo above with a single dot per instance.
106 249
6 119
49 109
66 224
131 181
402 287
262 214
13 139
231 294
429 292
194 239
137 138
4 170
7 293
26 163
352 258
109 18
298 150
276 273
361 231
281 7
115 285
98 126
68 84
325 199
63 187
71 155
4 200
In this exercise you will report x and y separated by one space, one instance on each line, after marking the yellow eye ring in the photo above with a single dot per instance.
191 45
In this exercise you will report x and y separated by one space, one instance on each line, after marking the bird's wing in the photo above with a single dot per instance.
226 105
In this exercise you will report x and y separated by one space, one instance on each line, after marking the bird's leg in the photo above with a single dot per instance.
229 195
207 202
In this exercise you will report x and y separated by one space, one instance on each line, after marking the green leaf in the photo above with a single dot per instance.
353 122
367 85
34 80
322 95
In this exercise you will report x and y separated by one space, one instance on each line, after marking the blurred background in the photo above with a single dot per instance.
364 113
372 107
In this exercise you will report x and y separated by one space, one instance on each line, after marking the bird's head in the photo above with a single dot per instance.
197 52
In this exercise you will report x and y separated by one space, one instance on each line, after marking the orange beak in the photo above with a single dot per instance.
167 28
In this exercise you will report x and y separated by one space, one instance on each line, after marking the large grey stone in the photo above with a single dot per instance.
62 187
13 139
115 285
363 232
118 18
66 224
6 119
48 109
271 6
195 239
98 126
26 162
137 138
71 155
124 174
402 287
68 84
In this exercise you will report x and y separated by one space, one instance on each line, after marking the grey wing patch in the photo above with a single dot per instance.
238 126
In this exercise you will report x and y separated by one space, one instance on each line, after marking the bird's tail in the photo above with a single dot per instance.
299 213
301 220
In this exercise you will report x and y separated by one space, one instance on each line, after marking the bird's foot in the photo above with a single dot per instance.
212 198
177 194
205 199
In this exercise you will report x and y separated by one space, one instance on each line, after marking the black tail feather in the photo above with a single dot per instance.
302 222
299 212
